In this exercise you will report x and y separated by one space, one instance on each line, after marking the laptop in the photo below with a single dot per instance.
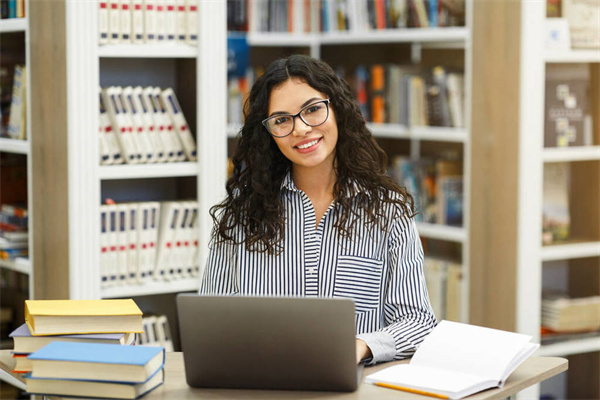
284 343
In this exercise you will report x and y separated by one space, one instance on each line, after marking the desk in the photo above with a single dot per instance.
532 371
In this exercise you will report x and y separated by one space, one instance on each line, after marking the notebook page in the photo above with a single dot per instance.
469 349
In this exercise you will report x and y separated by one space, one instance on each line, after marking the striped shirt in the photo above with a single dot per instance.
380 269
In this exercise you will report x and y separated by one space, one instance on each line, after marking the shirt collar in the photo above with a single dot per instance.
288 183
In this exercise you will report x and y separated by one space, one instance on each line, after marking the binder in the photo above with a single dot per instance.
170 21
114 22
169 217
160 124
104 247
119 123
149 7
113 241
144 146
137 21
192 21
122 242
132 243
125 21
164 333
147 115
144 265
153 226
161 22
106 130
103 22
179 123
169 135
105 156
181 244
181 21
194 262
127 119
191 239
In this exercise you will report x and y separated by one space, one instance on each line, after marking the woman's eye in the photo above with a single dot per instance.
281 120
312 108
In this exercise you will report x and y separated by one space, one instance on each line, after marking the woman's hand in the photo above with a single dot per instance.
362 351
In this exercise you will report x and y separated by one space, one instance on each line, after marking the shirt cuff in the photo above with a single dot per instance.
382 345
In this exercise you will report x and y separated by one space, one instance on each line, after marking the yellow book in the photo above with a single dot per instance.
62 317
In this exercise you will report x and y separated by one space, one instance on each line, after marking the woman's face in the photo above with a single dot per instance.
306 146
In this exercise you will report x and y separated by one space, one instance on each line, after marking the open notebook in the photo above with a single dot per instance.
456 360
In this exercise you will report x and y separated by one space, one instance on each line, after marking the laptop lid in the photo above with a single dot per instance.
268 342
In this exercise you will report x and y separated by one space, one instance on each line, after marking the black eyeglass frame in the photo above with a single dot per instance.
265 122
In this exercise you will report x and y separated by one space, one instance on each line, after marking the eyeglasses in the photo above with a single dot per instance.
314 114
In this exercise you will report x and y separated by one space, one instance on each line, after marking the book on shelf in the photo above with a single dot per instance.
568 120
556 217
444 280
51 317
97 361
179 123
583 17
548 336
562 314
25 343
456 360
157 332
17 127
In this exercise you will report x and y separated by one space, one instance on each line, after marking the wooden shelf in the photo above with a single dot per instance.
13 25
144 171
566 154
569 347
22 265
442 232
14 146
150 288
173 50
569 251
572 56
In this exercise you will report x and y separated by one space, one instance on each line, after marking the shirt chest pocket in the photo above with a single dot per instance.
359 278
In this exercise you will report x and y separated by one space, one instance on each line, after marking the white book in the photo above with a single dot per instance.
105 156
170 21
179 123
145 148
144 264
181 21
127 118
160 125
103 22
132 243
169 217
149 325
298 15
192 21
456 99
164 333
122 242
104 247
161 23
119 122
435 277
181 243
457 360
145 108
168 134
16 121
137 21
125 21
254 14
106 130
113 243
153 229
149 7
114 22
192 265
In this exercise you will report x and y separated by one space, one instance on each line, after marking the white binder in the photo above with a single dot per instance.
120 124
106 131
181 243
160 124
149 7
169 217
170 21
137 21
143 142
194 263
161 22
132 243
103 22
175 147
179 123
191 240
125 21
154 220
145 108
122 242
104 247
192 21
181 24
128 121
164 333
114 22
112 242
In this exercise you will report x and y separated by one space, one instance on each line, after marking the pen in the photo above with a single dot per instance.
387 385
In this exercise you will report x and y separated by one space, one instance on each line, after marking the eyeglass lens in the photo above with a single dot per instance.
314 114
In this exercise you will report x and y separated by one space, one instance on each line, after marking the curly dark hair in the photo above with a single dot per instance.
253 201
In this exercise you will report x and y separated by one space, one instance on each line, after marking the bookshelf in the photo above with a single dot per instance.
403 46
510 266
68 170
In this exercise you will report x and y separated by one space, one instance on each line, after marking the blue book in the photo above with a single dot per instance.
93 389
25 342
97 362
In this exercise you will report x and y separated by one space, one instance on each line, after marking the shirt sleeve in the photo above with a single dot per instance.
220 272
408 313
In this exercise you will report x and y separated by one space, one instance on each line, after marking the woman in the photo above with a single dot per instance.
310 211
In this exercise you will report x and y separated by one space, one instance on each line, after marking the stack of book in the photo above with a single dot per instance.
563 314
13 231
74 321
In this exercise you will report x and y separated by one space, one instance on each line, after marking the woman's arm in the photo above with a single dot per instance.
220 272
408 314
